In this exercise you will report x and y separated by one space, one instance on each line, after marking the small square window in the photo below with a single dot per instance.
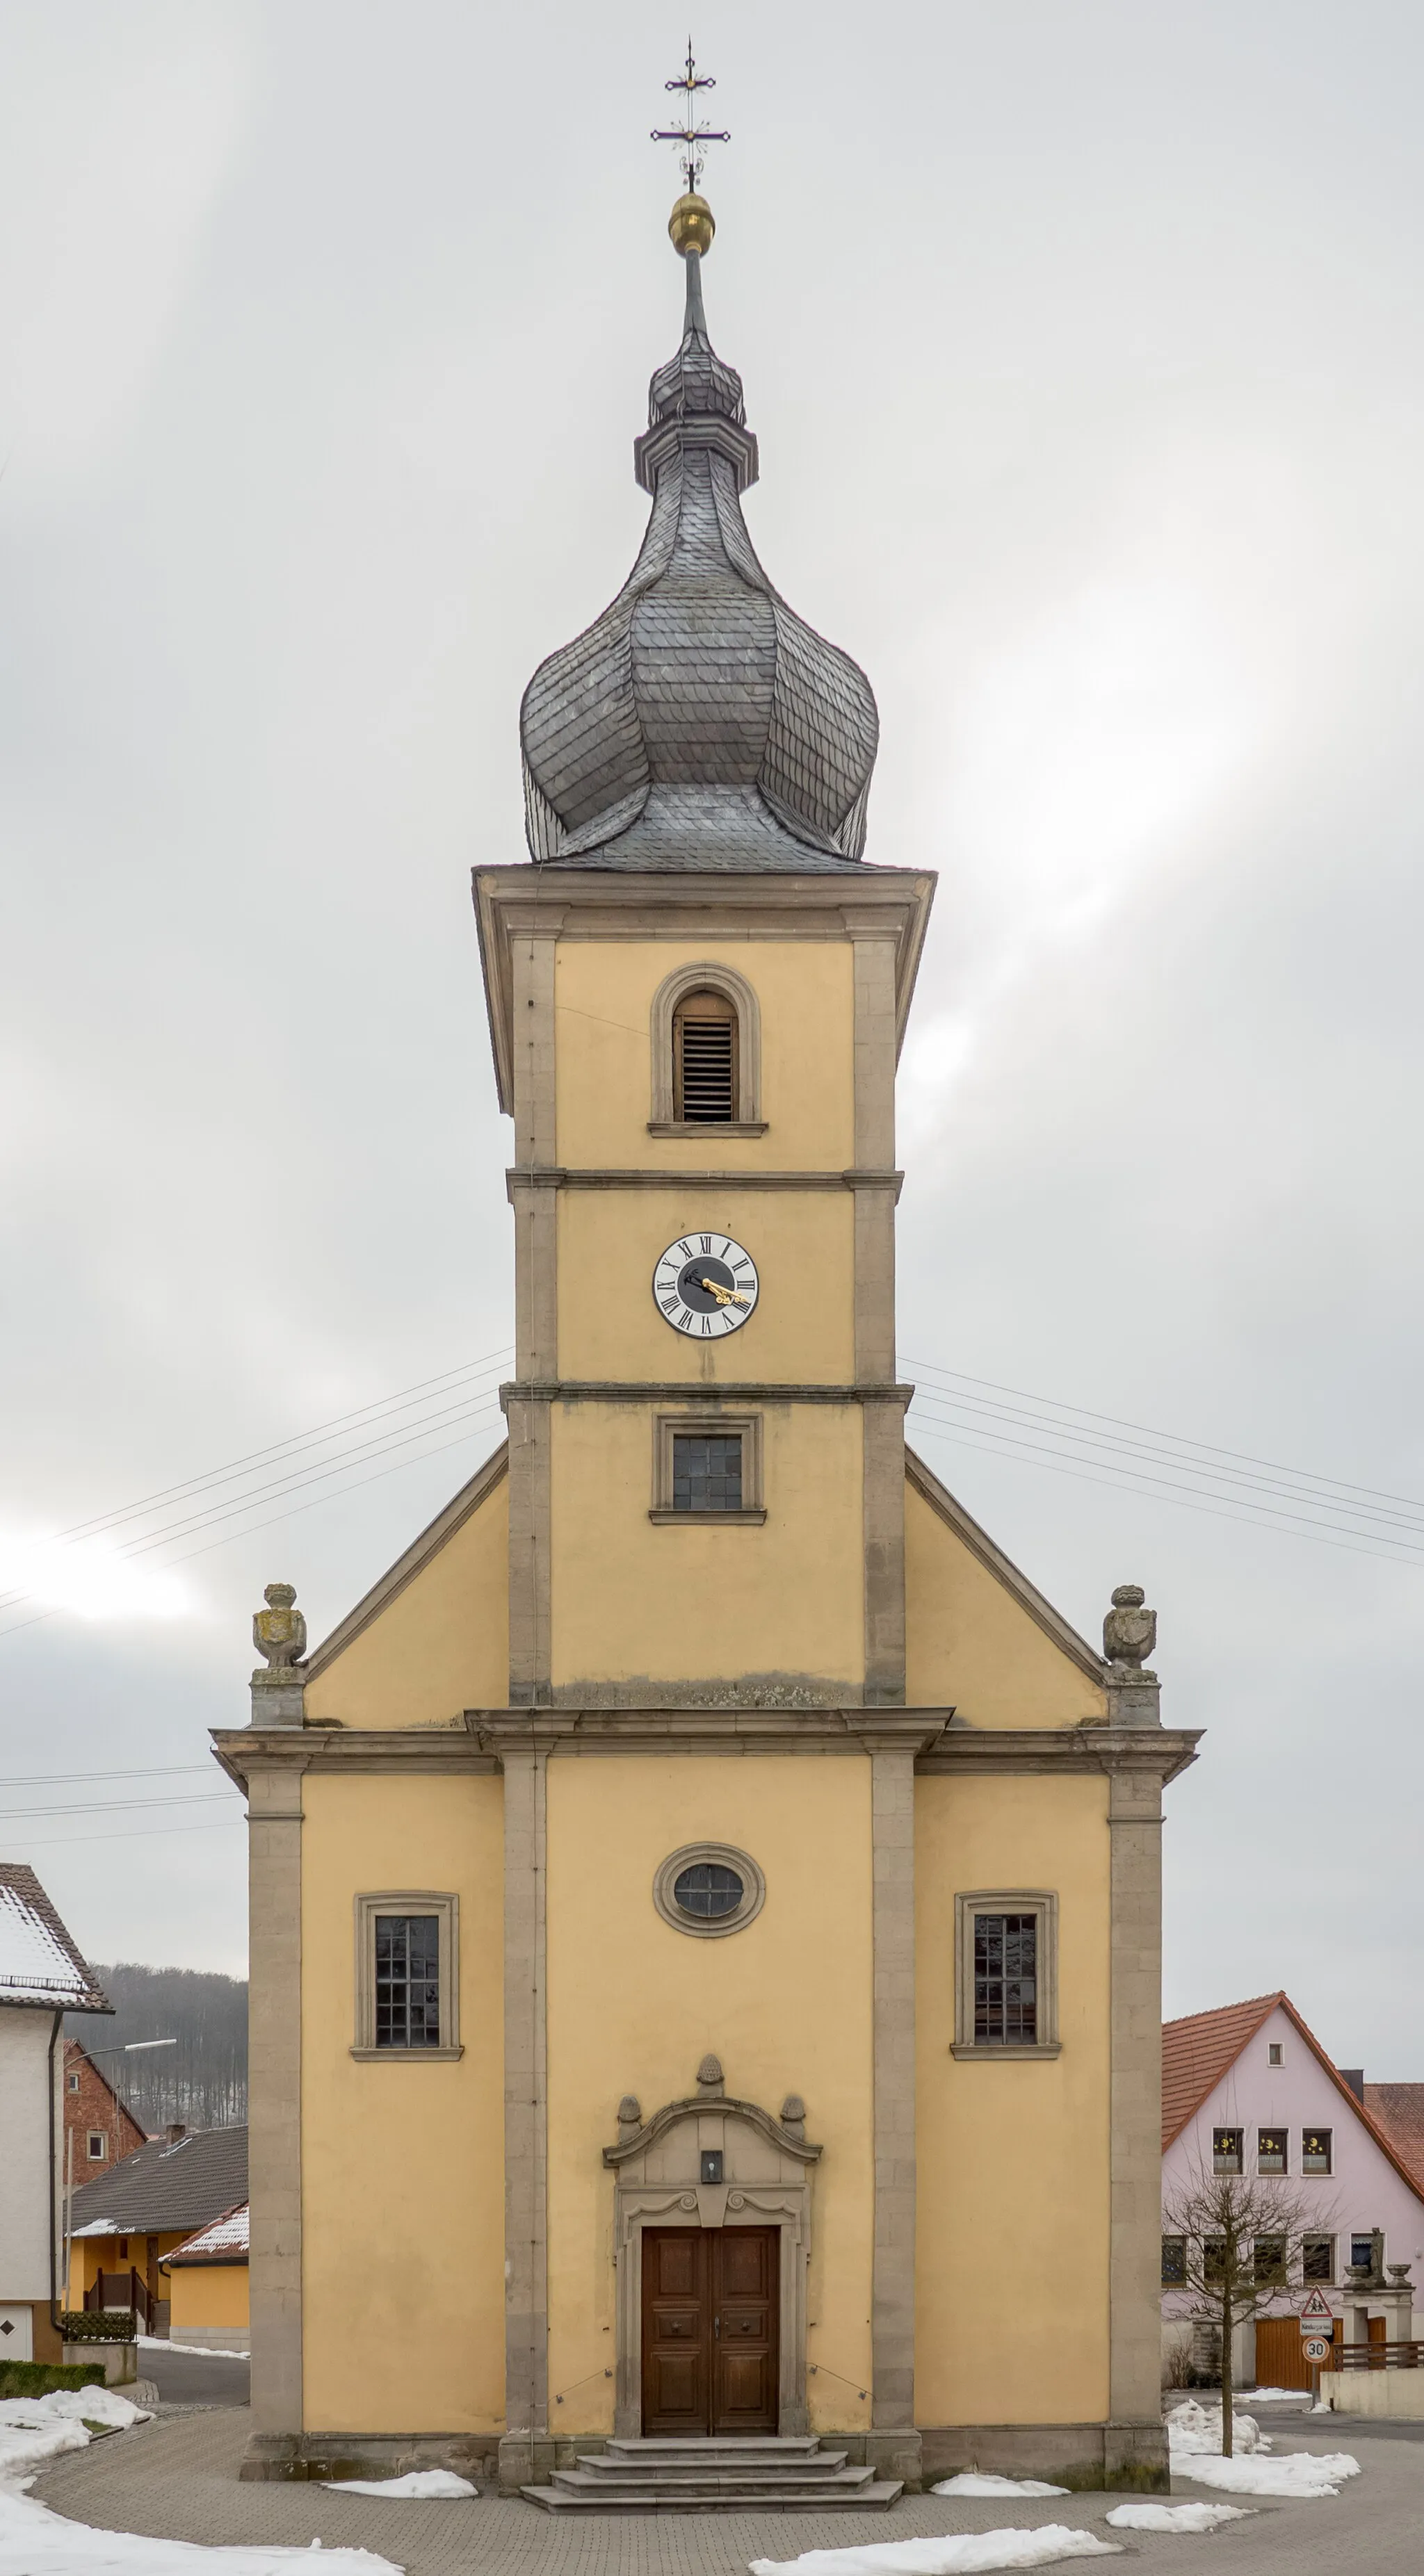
407 1976
1315 2150
711 2164
707 1472
1317 2258
1226 2146
707 1468
1006 1983
1275 2053
73 2082
98 2146
1270 2151
1174 2262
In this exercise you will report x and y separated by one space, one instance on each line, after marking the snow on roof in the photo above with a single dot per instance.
224 2242
39 1963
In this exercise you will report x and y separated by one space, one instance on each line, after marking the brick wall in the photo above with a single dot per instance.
92 2111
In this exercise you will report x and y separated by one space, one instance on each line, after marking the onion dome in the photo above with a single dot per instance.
699 723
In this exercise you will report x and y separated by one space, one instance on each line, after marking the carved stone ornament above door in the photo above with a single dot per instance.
766 2182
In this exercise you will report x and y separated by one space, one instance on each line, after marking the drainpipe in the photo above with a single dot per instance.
53 2255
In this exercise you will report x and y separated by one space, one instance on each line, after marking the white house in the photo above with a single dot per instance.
42 1977
1249 2089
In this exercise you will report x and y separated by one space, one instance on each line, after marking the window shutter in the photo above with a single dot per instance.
705 1060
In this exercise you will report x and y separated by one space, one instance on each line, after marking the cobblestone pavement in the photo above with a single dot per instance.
176 2478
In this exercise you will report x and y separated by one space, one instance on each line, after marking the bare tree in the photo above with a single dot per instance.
1234 2242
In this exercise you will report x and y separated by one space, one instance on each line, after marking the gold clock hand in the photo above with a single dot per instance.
724 1296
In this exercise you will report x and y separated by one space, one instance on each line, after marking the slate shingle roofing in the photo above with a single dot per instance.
1398 2109
39 1963
699 723
186 2182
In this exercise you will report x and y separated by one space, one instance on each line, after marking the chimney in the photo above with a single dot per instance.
1354 2076
175 2130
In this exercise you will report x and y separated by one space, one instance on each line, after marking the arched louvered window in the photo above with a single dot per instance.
704 1051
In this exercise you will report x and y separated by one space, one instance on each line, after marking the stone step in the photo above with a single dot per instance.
713 2446
822 2464
788 2497
586 2481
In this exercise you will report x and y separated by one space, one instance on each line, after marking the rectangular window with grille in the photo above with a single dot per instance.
705 1061
1174 2262
1006 1980
407 1981
706 1472
1315 2147
1226 2145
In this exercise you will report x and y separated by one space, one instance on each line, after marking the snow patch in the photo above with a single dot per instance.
36 2542
974 2482
1174 2517
209 2351
416 2482
1192 2428
963 2553
1299 2473
34 2430
1280 2397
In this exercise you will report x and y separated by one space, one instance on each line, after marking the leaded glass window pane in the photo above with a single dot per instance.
407 1981
706 1471
708 1889
1006 1980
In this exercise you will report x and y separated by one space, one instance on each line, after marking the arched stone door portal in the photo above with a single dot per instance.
711 2161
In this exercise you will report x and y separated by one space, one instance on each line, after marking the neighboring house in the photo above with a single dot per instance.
1249 2089
101 2125
1397 2109
208 2285
124 2223
42 1977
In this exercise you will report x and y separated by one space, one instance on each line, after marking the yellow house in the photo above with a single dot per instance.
207 2276
705 1902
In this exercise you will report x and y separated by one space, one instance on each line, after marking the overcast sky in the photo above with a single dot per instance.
1082 341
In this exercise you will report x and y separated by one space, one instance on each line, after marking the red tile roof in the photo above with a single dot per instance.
1198 2050
1398 2109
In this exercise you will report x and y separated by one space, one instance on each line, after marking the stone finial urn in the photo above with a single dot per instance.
280 1633
1130 1630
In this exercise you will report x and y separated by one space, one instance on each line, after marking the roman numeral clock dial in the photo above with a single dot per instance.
706 1286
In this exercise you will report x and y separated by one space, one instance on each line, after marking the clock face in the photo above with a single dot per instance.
706 1285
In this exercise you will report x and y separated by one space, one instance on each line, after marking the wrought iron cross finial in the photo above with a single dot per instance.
691 136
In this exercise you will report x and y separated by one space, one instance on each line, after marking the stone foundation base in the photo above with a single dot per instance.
316 2456
1087 2458
120 2360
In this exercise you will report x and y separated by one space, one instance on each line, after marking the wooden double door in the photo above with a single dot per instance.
710 2317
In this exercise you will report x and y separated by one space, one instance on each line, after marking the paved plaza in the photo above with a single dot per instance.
176 2478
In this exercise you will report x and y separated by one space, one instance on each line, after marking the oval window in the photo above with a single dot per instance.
708 1890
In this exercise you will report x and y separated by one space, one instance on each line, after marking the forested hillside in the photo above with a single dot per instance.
204 2079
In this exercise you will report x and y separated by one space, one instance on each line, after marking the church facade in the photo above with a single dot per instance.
705 1902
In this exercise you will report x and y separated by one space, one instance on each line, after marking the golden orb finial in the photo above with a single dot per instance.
690 226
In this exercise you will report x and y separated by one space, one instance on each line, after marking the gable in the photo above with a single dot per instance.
431 1639
978 1637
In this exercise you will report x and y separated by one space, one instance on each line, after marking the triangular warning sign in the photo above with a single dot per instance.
1316 2306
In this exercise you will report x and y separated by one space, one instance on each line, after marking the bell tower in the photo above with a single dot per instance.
697 993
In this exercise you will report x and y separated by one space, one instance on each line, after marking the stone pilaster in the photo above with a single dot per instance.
893 2444
274 1793
526 2453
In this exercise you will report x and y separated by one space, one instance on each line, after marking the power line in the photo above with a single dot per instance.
123 1833
65 1779
117 1806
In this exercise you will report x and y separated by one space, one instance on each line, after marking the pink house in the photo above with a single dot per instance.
1250 2089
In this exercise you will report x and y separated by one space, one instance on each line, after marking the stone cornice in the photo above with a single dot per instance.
552 1176
598 1390
546 901
940 1742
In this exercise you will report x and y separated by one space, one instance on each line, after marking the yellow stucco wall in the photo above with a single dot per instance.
633 2006
971 1646
91 2255
633 1597
802 1242
207 2295
604 992
402 2164
1012 2236
441 1646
